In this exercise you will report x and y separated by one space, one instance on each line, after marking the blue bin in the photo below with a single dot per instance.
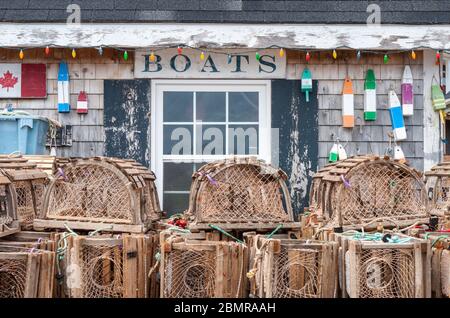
24 133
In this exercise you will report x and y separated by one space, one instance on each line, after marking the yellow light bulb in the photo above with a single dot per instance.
281 52
413 55
74 53
334 54
202 56
21 55
152 57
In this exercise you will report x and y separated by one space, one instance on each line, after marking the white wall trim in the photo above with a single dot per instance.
432 144
385 37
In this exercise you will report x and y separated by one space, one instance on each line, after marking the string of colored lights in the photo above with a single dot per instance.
308 51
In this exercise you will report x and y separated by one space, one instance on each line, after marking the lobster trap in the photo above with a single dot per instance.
26 272
383 265
317 188
29 184
363 189
440 263
202 269
282 267
100 194
438 185
110 267
240 194
8 207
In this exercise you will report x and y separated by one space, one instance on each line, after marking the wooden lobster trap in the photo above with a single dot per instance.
282 267
26 272
109 266
360 190
317 188
9 222
240 194
29 184
383 265
440 263
438 185
100 193
202 269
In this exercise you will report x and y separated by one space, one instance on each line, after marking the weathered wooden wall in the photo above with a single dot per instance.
87 71
366 136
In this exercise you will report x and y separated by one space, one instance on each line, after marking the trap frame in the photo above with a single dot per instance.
100 193
26 272
282 267
370 268
360 189
202 269
240 193
29 184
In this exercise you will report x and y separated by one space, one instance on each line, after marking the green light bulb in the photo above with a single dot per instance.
125 55
386 59
258 56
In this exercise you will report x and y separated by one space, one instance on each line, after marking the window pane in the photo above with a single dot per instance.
175 203
178 106
177 176
210 106
178 139
243 139
243 106
211 140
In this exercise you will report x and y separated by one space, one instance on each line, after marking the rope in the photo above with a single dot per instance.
154 267
215 227
274 231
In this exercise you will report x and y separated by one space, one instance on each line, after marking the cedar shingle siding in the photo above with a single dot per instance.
227 11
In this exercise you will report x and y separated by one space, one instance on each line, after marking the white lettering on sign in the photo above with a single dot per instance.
168 63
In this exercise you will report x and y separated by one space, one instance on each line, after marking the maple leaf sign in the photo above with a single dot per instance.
8 80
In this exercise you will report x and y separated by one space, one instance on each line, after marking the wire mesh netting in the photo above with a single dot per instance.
151 209
441 199
102 271
383 273
13 273
240 193
378 189
190 274
91 192
25 205
5 214
296 273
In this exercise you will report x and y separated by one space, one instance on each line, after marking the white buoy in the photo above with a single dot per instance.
398 154
407 92
395 110
342 154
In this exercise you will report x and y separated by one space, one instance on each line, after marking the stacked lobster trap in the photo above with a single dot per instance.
240 194
282 267
100 194
192 268
29 184
9 222
438 185
385 265
106 266
357 191
26 272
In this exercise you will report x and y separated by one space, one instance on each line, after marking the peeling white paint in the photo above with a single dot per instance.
226 35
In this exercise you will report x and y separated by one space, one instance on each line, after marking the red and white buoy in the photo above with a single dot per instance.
82 103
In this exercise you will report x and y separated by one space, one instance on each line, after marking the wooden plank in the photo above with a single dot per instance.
130 263
220 272
40 224
32 279
419 288
296 273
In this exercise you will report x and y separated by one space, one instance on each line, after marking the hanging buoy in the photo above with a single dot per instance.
334 153
395 110
437 97
348 116
342 154
398 154
407 92
63 88
82 103
370 97
306 83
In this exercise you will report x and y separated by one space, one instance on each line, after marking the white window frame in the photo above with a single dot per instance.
160 86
